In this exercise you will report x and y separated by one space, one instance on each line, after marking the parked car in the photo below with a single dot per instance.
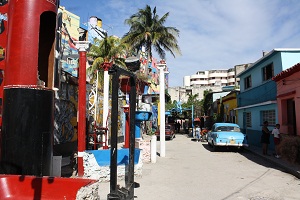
226 134
169 132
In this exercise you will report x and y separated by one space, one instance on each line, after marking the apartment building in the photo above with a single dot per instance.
214 80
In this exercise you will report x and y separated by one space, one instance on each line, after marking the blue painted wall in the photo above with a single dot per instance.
254 132
282 60
262 92
265 92
103 156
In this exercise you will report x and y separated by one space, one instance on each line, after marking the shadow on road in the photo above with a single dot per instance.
247 154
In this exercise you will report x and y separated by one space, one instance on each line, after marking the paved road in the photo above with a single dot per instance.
192 171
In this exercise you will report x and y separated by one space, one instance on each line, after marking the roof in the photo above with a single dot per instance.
267 56
197 119
226 124
287 72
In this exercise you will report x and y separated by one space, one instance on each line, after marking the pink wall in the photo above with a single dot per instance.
288 88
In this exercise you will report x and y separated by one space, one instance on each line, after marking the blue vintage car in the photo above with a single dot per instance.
226 134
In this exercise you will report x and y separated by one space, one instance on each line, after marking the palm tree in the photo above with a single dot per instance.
148 30
110 49
193 100
207 101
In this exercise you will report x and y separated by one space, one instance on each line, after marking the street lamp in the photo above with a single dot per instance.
162 66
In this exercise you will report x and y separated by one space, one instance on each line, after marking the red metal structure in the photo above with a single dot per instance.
96 138
16 187
28 103
127 126
28 96
3 39
30 42
82 47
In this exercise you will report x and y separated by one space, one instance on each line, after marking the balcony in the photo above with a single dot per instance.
259 94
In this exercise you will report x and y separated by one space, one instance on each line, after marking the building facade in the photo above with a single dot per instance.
217 77
213 80
288 100
229 104
257 100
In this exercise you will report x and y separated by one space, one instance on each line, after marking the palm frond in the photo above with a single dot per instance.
147 30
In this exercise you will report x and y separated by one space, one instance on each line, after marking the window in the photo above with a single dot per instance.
248 82
248 119
268 115
268 72
228 128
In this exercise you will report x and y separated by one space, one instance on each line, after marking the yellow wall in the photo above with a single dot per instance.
72 22
230 103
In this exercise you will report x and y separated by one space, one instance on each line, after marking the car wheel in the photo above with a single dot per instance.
209 144
240 149
215 148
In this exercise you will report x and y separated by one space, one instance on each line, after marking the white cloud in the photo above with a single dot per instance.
213 33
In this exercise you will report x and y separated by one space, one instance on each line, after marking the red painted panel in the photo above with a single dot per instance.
22 42
3 39
18 187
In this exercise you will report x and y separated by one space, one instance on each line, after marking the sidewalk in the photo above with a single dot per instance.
293 169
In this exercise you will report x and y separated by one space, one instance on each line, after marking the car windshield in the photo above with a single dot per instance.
168 127
228 128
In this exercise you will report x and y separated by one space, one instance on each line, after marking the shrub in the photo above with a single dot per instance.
290 149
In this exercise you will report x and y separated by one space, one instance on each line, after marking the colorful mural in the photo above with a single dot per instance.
65 114
68 25
153 75
95 30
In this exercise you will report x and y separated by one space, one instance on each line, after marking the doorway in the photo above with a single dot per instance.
291 117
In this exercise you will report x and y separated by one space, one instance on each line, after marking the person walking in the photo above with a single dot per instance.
265 138
198 133
276 135
178 127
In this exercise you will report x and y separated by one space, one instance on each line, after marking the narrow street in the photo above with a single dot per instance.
191 170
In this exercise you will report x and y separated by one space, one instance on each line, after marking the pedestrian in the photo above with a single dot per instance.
178 125
265 138
198 133
276 135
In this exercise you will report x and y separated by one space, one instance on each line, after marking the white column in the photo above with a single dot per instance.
162 128
105 98
153 149
106 66
96 98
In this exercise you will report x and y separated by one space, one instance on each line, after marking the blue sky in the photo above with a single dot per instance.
214 34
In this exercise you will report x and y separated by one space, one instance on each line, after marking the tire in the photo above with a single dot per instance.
215 148
240 149
209 144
